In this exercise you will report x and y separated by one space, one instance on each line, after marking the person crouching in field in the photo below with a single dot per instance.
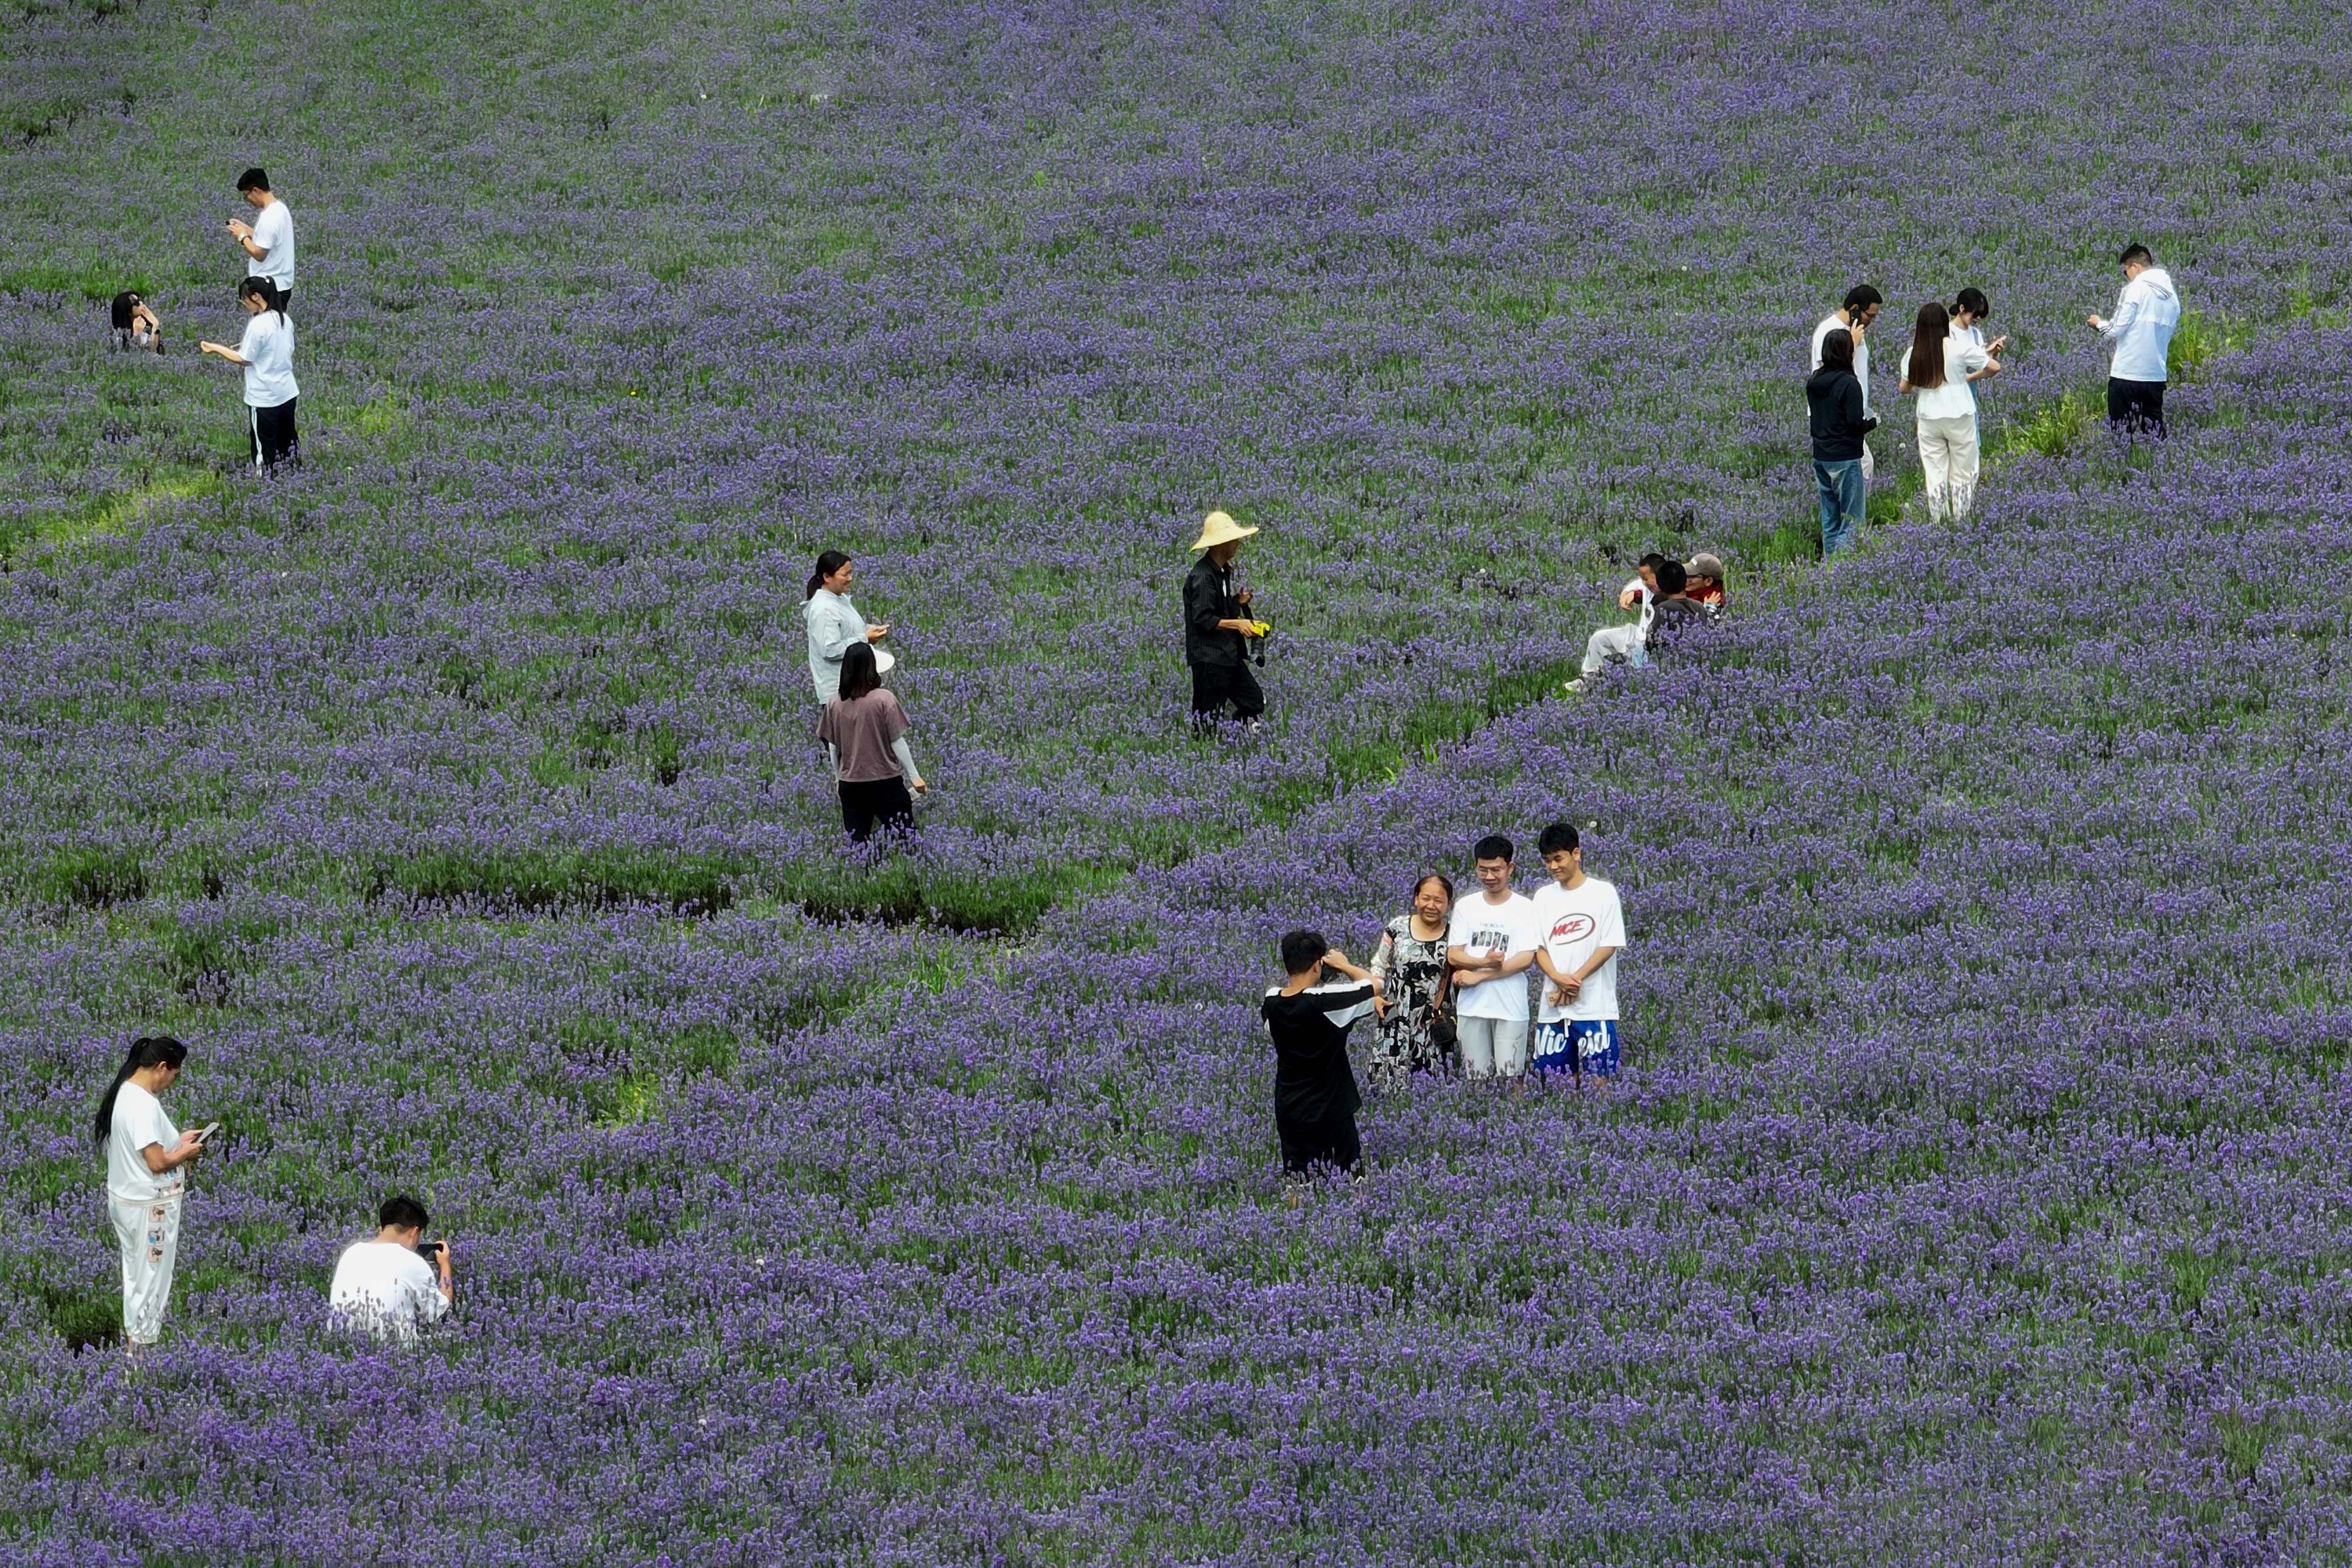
267 356
864 734
1308 1017
146 1175
135 325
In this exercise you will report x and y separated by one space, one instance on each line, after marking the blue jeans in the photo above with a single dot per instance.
1845 502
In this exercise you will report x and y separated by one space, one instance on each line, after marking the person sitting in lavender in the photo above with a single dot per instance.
134 323
397 1283
1308 1017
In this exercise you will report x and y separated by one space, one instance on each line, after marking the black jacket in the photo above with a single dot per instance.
1838 426
1208 599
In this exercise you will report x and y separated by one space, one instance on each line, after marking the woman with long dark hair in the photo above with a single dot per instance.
267 354
1938 366
864 734
1409 981
833 624
146 1165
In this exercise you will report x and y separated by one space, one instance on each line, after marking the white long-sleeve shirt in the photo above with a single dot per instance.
833 624
2141 328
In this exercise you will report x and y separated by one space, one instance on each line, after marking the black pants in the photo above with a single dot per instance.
881 803
1215 684
274 440
2136 405
1329 1141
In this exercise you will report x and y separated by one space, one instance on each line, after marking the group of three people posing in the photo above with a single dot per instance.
1448 986
1946 360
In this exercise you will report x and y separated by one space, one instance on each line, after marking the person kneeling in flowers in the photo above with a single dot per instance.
1308 1017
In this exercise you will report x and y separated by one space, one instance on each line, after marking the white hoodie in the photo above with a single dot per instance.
2141 328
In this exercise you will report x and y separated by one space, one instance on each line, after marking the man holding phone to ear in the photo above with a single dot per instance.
394 1285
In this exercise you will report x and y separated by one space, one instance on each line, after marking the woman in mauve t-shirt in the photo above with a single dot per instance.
865 732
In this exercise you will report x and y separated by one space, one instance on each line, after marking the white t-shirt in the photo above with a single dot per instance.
384 1289
1479 926
273 230
1574 923
1834 322
268 349
1953 400
139 1121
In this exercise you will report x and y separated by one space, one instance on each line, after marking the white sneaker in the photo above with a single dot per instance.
1574 687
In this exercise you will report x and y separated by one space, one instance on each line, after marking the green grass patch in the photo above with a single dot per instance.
536 881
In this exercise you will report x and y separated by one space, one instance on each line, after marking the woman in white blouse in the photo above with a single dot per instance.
834 623
1938 367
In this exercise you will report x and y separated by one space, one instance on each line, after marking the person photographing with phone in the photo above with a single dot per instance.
393 1286
146 1175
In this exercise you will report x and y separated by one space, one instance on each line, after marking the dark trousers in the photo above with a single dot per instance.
2136 405
880 803
1331 1141
1216 685
274 440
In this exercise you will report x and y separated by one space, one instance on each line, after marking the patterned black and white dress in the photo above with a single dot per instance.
1410 971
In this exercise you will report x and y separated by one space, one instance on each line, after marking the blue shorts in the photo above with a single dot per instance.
1577 1046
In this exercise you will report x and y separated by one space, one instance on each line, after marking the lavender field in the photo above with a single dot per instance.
1976 1189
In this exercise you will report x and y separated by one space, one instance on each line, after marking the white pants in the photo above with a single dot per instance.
1492 1047
1948 450
150 1235
1611 642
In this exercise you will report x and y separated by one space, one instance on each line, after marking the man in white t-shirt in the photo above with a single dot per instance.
385 1286
268 240
1490 943
1583 929
1861 305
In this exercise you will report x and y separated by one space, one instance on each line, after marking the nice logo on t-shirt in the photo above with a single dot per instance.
1572 928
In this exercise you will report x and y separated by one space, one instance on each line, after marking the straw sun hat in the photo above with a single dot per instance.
1219 529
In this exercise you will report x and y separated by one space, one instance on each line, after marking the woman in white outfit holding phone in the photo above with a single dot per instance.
146 1172
1938 368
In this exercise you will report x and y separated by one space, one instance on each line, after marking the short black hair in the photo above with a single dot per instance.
254 179
403 1211
2136 252
1303 951
1653 559
1673 578
1558 837
1862 296
1494 846
1974 302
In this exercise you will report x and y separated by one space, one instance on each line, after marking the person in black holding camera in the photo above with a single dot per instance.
1218 628
1308 1017
397 1283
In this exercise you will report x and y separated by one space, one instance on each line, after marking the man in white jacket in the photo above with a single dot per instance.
2141 330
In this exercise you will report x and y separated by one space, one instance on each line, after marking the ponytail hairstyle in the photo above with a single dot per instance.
829 562
1935 325
266 291
146 1051
860 673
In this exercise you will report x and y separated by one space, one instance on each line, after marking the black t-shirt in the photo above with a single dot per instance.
1311 1076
